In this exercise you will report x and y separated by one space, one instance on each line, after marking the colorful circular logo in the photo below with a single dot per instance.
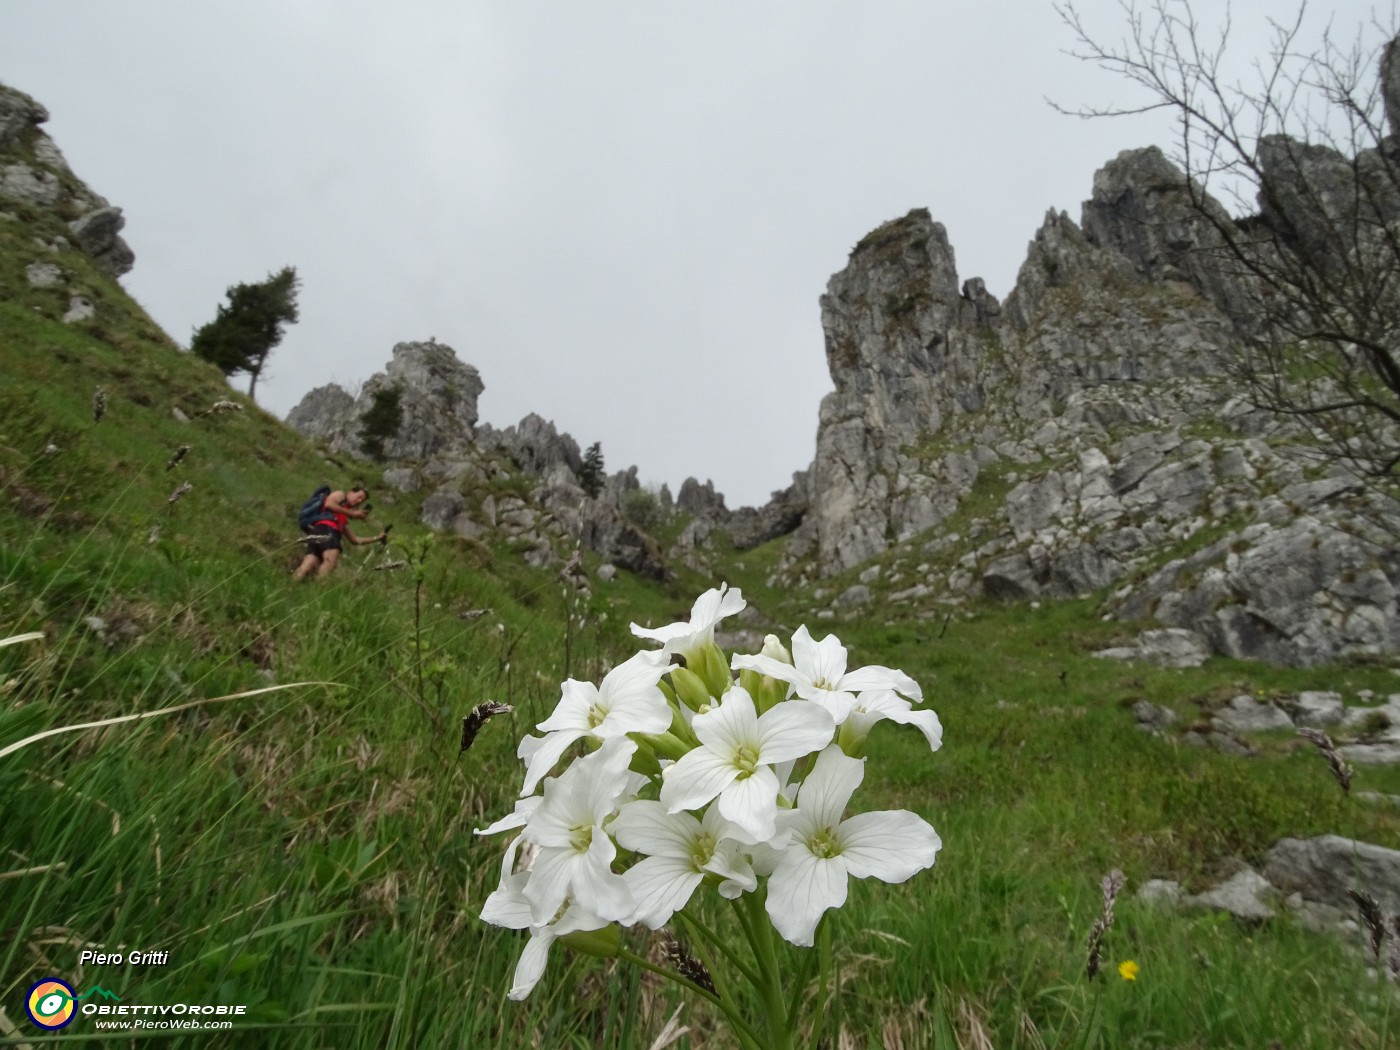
51 1003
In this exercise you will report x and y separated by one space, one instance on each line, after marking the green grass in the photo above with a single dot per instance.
309 852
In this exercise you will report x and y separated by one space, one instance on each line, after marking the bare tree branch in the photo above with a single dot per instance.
1310 247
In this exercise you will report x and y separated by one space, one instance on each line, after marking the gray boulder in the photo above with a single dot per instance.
1171 647
1245 895
96 232
1246 714
1324 868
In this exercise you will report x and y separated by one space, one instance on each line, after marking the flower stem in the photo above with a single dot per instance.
746 1034
824 979
779 1026
703 932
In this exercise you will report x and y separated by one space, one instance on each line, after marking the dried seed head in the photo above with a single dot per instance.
180 490
180 454
481 714
154 534
1341 772
1393 956
572 568
674 953
99 405
1373 917
220 406
1111 885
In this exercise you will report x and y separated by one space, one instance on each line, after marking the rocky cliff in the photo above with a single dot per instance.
34 175
1078 439
1083 437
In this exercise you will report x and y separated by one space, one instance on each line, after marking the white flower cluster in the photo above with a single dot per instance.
692 776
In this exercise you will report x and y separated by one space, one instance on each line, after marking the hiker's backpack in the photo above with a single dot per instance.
311 509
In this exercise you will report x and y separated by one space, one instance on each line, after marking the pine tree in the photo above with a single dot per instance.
590 475
249 325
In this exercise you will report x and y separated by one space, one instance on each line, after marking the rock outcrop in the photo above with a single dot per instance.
1081 438
34 174
420 416
422 404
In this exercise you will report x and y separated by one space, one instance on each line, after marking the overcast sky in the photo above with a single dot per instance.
622 213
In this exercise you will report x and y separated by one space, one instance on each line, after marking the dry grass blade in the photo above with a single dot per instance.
11 1032
153 714
15 639
671 1032
55 782
971 1024
38 869
1030 1033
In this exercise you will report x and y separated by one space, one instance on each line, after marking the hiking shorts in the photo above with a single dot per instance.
323 538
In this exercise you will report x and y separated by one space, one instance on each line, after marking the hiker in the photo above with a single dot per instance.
329 528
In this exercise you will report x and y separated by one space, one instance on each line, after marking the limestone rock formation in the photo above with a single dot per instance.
34 174
423 404
1082 439
906 353
420 415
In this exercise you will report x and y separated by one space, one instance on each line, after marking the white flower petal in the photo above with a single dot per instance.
596 884
646 827
504 908
890 846
635 676
765 665
715 604
516 818
877 677
751 804
660 887
800 889
828 788
734 868
805 655
836 703
636 714
571 713
550 880
530 968
927 723
830 664
730 725
606 777
549 751
792 729
711 607
696 778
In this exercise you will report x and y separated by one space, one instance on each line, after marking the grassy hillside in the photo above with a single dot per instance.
307 852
